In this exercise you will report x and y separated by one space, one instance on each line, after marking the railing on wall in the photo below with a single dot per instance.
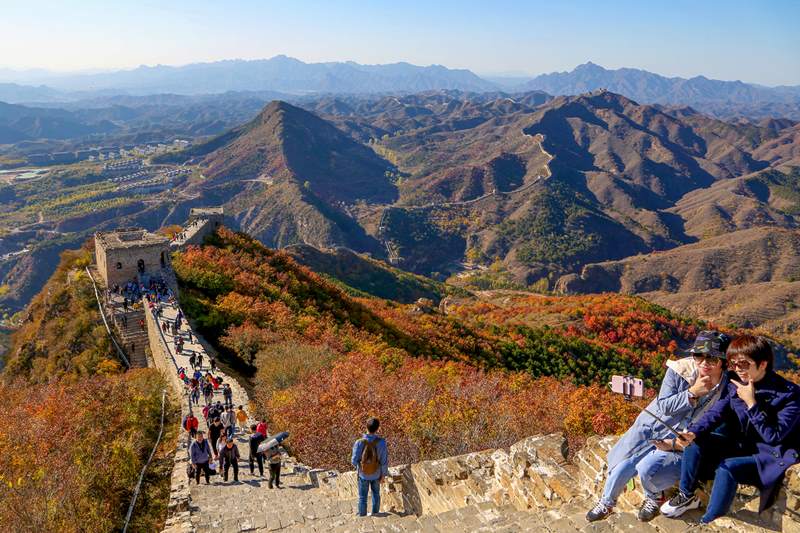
120 351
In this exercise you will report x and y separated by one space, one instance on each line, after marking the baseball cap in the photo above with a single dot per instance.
711 343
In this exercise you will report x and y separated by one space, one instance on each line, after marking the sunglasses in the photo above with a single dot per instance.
707 360
740 364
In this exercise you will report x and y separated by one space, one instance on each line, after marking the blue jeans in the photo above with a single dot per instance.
657 471
730 473
364 485
702 458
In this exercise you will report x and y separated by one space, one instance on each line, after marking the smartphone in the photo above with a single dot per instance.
627 385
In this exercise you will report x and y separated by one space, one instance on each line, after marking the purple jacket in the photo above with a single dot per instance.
770 426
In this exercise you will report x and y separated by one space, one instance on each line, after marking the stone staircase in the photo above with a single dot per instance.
134 338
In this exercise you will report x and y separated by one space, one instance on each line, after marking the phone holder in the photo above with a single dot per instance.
629 386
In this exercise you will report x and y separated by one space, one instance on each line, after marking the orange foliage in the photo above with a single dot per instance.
70 454
431 409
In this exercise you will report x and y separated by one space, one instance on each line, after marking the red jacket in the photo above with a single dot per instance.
191 423
262 428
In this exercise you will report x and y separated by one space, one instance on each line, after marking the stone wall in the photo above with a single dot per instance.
179 496
533 473
783 516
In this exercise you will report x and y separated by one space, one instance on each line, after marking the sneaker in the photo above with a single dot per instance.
648 510
679 504
598 512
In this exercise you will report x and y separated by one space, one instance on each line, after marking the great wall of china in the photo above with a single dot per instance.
528 487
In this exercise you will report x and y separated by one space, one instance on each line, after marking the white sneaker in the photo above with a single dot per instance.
679 504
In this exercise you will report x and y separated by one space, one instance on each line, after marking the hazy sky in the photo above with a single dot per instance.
755 41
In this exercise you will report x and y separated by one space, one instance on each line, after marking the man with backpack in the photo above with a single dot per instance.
371 460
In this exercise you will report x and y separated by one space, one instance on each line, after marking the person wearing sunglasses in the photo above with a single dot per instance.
761 411
690 386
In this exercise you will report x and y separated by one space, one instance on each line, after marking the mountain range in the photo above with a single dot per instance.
293 77
487 189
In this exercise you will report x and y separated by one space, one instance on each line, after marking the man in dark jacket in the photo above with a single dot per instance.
256 438
214 431
230 458
760 411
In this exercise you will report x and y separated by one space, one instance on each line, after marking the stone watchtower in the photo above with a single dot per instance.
126 254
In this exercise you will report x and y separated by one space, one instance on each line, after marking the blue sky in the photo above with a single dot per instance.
748 40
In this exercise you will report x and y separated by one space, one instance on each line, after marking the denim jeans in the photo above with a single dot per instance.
657 471
730 473
702 458
364 485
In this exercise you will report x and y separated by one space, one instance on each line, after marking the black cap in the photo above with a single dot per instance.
711 343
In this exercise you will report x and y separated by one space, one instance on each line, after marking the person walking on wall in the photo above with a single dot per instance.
200 455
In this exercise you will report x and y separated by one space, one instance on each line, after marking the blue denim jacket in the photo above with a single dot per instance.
672 405
383 457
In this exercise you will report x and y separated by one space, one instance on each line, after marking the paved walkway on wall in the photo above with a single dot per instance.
188 232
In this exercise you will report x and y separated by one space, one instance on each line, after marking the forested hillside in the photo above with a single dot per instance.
78 429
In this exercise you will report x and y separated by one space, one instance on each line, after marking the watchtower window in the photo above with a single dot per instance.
163 260
119 265
140 265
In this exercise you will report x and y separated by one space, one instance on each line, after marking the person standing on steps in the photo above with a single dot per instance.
228 418
195 396
690 387
214 431
200 360
760 414
262 427
192 360
241 418
227 393
200 455
191 425
255 439
371 459
230 458
274 457
208 392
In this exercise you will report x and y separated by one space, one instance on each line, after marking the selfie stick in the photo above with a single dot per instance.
627 391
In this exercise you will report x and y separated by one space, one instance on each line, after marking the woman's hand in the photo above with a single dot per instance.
702 386
685 438
666 445
747 393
